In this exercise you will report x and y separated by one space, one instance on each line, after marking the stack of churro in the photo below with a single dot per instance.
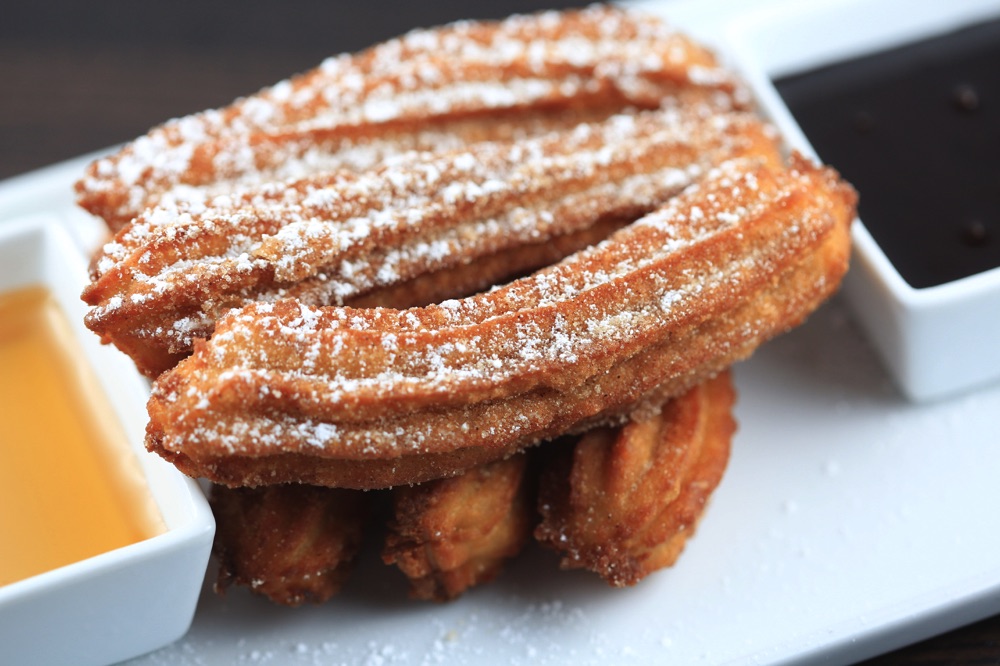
406 269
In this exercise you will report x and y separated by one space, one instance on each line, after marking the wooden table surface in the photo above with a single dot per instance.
79 76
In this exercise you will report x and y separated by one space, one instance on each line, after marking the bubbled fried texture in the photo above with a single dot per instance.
448 535
293 544
597 148
620 501
336 238
427 90
623 502
371 398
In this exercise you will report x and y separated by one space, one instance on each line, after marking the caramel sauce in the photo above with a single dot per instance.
70 487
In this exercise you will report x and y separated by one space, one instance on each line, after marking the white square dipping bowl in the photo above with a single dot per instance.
133 599
936 341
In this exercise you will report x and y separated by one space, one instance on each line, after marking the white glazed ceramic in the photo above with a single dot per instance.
131 600
936 341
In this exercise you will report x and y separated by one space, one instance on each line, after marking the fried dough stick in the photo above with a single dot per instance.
378 397
427 90
290 543
326 523
624 501
451 534
170 274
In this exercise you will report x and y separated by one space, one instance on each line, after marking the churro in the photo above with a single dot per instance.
378 397
431 89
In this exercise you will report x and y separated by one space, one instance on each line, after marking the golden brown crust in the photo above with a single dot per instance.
619 501
624 501
487 272
427 90
170 274
361 398
293 544
595 147
448 535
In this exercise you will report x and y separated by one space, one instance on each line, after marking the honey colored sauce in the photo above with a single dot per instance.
70 487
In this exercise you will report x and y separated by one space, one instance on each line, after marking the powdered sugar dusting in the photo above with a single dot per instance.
331 237
311 122
542 327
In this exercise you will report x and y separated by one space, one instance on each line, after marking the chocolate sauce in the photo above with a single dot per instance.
916 130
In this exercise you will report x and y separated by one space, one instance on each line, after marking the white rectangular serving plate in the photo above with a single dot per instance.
850 522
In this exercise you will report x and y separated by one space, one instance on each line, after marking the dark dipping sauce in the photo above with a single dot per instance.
916 130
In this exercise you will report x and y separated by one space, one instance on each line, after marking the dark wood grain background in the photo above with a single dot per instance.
79 76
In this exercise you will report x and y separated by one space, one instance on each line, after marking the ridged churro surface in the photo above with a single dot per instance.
427 90
168 276
624 501
377 397
620 501
405 268
293 544
448 535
